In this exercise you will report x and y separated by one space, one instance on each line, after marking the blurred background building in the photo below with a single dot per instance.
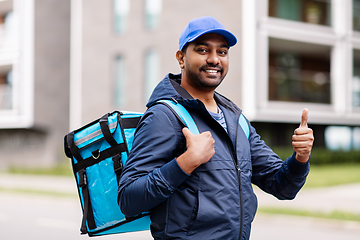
34 80
64 63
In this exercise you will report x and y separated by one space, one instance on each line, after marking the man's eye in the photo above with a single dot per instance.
223 52
202 50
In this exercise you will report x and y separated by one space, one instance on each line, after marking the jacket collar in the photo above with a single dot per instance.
169 88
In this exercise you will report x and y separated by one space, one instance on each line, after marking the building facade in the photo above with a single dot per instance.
65 63
34 81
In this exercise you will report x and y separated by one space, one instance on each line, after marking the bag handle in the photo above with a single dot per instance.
69 139
106 130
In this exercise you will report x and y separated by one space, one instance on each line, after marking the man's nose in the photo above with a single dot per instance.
213 58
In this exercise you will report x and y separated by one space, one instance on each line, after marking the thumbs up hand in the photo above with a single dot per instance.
303 139
200 148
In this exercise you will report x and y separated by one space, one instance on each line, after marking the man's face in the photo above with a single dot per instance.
205 62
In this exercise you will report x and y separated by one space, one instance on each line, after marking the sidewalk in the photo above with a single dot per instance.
42 215
36 183
344 198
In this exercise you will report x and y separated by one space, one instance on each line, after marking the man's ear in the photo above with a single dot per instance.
180 56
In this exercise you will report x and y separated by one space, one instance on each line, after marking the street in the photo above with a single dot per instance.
41 217
46 217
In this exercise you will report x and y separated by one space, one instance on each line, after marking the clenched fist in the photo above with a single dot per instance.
200 148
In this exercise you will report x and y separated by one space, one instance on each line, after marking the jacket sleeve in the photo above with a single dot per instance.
151 173
283 179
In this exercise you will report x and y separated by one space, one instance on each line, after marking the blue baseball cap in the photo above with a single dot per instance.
202 25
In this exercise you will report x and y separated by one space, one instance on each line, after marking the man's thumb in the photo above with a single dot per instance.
304 118
187 133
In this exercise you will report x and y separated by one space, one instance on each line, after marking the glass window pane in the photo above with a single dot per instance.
6 88
152 72
7 30
299 72
121 12
342 138
356 15
153 10
356 138
356 79
338 138
119 82
309 11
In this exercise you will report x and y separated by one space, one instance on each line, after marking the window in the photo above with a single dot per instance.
356 79
309 11
16 63
342 138
299 72
6 88
356 15
6 41
356 138
152 72
301 53
153 10
121 12
119 96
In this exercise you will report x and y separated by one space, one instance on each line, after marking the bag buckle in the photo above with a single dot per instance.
82 178
118 165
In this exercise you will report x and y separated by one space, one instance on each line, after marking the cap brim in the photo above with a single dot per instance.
230 38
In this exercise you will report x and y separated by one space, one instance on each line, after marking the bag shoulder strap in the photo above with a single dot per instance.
244 125
182 114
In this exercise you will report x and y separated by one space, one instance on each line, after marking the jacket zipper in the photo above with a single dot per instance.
237 168
239 177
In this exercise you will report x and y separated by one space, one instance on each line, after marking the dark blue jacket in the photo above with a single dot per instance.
217 200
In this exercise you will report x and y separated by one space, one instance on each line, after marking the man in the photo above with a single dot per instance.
199 186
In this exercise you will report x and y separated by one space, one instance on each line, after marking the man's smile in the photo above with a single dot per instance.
212 70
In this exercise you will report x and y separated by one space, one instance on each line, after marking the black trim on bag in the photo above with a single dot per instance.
129 122
73 148
130 219
103 155
66 148
88 215
94 122
123 123
118 166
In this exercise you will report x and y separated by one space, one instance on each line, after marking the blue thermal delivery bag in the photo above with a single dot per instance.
98 152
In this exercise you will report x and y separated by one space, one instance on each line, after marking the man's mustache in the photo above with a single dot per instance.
215 67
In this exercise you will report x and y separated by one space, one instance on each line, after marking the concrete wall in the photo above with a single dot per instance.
52 73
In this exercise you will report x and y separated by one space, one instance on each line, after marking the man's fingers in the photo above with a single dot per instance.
187 133
302 144
304 118
300 137
303 131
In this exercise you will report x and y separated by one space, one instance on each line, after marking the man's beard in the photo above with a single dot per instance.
198 80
